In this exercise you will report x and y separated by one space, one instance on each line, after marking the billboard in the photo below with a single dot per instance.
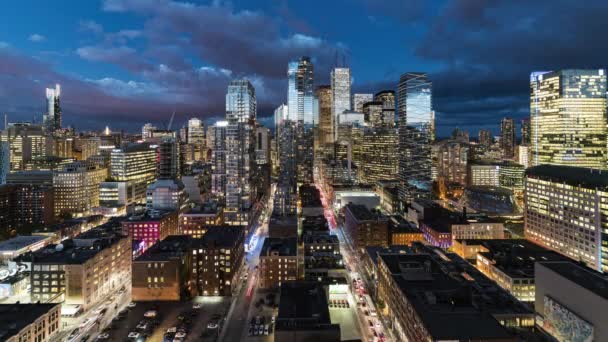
563 324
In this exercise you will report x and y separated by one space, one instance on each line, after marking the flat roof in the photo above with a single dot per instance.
585 277
575 176
361 213
21 241
283 246
302 304
15 317
221 237
173 246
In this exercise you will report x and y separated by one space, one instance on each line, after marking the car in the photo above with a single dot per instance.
133 335
197 306
250 331
73 335
103 336
131 305
150 314
261 330
258 320
212 325
171 330
273 319
180 335
143 325
266 330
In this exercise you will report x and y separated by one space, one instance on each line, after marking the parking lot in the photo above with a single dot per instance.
169 321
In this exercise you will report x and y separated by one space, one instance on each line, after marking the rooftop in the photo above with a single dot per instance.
582 276
452 298
575 176
303 305
15 317
282 246
19 242
173 246
516 257
361 213
221 237
320 238
150 215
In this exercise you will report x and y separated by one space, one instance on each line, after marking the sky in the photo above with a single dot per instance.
123 63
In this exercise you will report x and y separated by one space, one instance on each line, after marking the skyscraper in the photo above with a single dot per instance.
507 137
300 110
326 120
387 98
568 118
169 166
340 95
359 100
241 109
218 159
196 131
485 138
146 131
52 118
525 132
416 133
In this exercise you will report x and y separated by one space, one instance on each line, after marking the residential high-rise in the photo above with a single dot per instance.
485 138
452 157
416 133
525 132
387 98
218 159
340 95
286 191
565 210
568 118
326 120
300 110
169 166
372 112
240 149
507 137
359 100
196 131
76 188
52 118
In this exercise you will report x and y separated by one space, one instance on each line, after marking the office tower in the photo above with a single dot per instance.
135 165
372 112
52 118
240 114
169 166
218 159
76 188
387 98
485 138
525 132
326 120
507 137
379 157
416 133
5 161
166 194
262 145
281 113
26 143
196 131
523 155
565 211
359 100
568 118
340 95
300 110
146 131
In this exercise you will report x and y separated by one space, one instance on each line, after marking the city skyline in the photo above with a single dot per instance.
104 55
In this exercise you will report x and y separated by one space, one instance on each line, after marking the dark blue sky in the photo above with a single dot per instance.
127 62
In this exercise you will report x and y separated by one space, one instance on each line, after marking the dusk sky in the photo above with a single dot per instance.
127 62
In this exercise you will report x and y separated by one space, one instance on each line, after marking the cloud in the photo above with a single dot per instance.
90 25
36 38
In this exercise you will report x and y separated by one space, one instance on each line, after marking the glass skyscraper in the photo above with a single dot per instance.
507 137
340 95
300 102
52 118
240 149
416 133
568 118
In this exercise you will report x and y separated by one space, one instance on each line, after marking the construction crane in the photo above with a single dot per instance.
171 121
